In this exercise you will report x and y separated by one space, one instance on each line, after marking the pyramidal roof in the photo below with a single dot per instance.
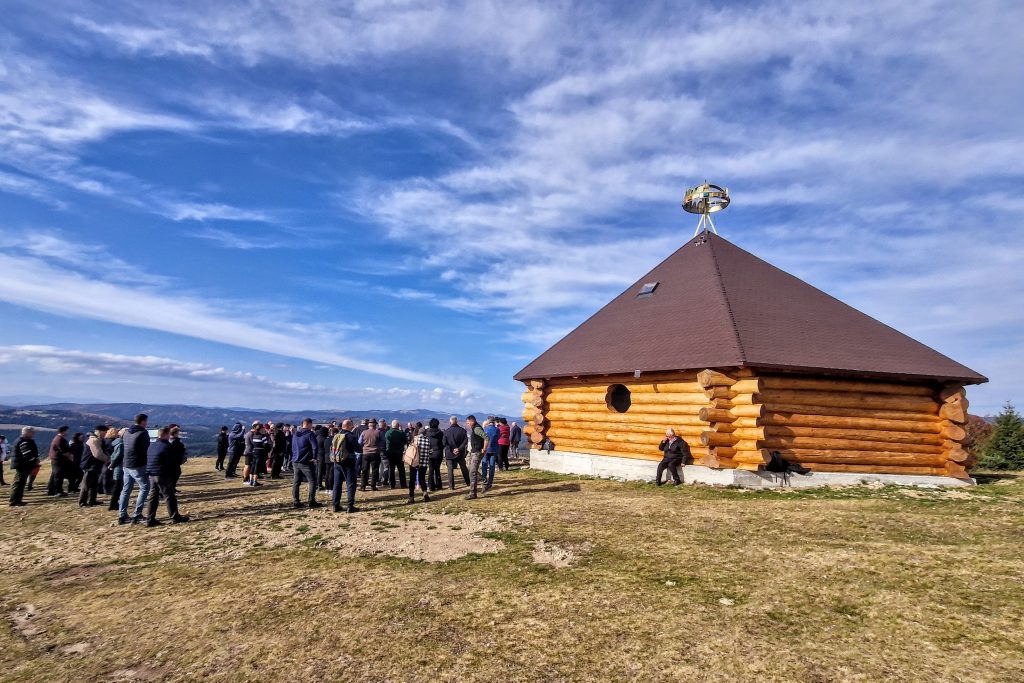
716 305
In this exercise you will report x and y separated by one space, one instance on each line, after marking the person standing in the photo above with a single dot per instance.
304 456
92 462
222 448
491 451
4 456
259 446
163 466
136 449
60 463
236 448
395 441
675 452
455 451
324 470
436 437
418 467
515 438
504 439
343 458
24 459
476 442
280 448
370 443
117 467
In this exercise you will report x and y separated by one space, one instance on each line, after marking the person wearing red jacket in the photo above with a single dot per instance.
504 440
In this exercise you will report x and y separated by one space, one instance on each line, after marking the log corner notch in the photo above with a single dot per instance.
953 413
533 412
734 437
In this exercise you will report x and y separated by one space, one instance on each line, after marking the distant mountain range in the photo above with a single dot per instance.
199 423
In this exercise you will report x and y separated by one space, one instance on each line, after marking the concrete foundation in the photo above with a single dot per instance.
633 469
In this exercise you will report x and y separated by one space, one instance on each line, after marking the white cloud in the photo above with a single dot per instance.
33 280
116 366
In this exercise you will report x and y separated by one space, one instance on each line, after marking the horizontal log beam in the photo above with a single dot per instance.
923 404
556 396
600 409
864 458
838 422
809 442
622 449
885 436
836 411
875 469
790 383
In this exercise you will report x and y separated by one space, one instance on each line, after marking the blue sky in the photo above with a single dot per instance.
399 204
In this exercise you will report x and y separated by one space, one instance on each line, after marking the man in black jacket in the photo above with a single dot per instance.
136 448
222 448
236 448
436 455
163 465
455 441
280 448
676 453
24 459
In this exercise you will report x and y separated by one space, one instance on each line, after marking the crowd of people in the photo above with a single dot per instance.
345 456
336 457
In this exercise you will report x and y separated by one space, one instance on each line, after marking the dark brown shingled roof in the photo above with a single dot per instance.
718 306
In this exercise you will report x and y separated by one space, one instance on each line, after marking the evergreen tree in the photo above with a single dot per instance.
1005 448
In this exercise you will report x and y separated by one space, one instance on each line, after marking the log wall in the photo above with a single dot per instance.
735 418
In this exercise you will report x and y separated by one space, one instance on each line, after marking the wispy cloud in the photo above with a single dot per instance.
33 280
55 360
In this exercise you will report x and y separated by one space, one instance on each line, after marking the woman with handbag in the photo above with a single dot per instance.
416 456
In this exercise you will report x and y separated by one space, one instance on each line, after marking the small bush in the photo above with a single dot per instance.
1004 450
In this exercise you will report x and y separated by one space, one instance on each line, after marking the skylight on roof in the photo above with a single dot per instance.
647 289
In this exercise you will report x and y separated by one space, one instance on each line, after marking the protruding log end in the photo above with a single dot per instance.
713 378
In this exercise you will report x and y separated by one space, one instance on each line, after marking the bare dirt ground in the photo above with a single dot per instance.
547 578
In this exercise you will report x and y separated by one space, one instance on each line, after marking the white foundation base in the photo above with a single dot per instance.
634 469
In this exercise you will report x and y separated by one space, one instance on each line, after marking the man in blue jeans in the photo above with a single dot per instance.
304 455
136 448
343 455
491 450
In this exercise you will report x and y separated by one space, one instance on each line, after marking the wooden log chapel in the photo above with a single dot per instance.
743 359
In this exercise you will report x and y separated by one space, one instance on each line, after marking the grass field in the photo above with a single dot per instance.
548 578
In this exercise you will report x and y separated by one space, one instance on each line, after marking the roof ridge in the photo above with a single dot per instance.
728 304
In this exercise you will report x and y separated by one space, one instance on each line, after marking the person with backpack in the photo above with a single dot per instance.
136 450
343 458
455 439
222 448
395 441
476 442
24 459
94 457
676 452
416 456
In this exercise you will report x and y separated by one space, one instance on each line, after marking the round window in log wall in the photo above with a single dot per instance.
618 398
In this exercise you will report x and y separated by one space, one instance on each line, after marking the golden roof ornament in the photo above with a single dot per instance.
705 199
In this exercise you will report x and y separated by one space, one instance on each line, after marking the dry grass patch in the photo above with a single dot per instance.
632 583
